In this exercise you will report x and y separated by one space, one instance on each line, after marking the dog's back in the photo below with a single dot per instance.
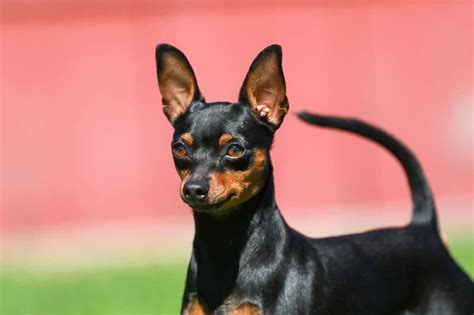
407 269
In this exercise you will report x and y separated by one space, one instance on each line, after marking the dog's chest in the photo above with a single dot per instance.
197 307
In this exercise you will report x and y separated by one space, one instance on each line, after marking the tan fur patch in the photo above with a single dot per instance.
188 139
245 309
184 174
225 138
444 238
196 307
242 184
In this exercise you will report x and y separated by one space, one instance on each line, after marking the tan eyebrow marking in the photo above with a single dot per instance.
187 138
225 138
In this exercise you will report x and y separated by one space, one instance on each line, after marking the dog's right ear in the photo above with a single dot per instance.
177 82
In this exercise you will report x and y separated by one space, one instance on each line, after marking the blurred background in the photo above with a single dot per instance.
91 220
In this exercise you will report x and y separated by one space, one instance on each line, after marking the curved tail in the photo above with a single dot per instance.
424 212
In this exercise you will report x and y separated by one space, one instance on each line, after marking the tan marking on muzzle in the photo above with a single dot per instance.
184 175
242 185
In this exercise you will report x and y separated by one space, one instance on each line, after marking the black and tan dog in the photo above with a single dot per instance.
246 259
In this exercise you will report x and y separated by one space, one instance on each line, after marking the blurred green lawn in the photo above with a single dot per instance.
150 289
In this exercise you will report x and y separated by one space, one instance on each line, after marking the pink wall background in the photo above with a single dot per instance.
84 138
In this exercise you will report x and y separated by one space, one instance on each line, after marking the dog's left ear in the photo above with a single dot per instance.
264 88
177 82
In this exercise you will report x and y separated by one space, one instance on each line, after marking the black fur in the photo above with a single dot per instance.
249 255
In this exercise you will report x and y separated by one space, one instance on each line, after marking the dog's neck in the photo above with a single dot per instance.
224 244
224 233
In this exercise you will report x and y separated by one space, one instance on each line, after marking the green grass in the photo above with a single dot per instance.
150 289
462 249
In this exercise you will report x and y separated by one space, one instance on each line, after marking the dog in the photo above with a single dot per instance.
245 257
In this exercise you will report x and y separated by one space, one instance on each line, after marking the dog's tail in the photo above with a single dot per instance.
424 212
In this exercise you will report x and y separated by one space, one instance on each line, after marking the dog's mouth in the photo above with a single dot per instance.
210 207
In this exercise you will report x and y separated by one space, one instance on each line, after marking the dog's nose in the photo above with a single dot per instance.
196 191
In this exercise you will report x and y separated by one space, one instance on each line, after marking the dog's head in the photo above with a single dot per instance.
221 149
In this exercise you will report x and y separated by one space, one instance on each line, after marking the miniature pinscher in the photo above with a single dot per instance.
245 257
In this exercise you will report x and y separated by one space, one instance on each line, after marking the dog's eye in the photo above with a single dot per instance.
179 150
235 151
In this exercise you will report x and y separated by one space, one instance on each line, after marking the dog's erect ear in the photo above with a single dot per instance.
264 88
177 82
